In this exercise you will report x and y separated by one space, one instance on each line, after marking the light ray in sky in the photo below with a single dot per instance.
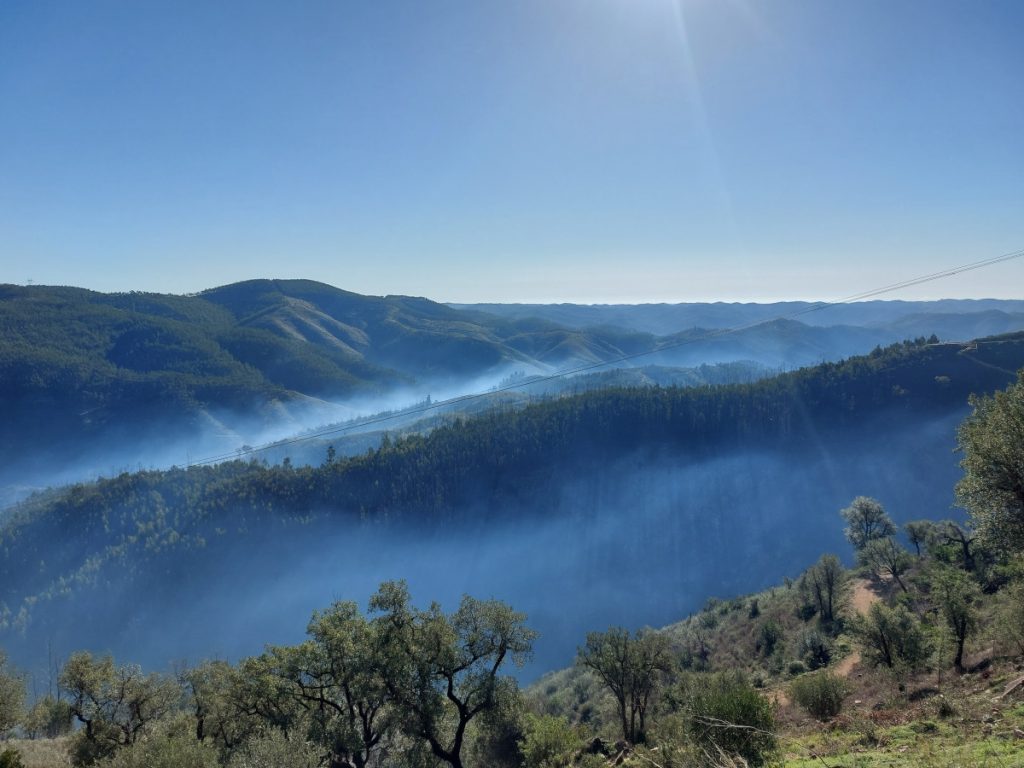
709 155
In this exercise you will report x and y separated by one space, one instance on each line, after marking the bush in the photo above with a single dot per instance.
11 758
726 713
892 636
820 693
815 649
273 750
548 742
170 745
48 718
12 696
768 637
796 668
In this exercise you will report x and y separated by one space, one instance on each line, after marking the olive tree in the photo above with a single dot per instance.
825 582
630 667
441 670
866 521
892 637
956 598
992 488
336 678
12 696
114 704
886 558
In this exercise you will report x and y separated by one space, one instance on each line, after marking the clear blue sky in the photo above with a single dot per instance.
513 150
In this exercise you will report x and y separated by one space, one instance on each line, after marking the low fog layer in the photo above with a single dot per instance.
644 542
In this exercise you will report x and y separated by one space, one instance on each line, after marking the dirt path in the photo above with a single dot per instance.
861 600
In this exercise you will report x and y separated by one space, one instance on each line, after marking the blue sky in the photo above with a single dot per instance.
522 150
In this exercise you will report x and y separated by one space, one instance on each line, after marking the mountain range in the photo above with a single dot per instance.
95 383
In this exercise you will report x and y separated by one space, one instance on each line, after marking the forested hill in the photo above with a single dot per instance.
513 463
92 381
112 378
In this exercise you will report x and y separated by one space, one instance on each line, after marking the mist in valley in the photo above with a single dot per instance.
642 542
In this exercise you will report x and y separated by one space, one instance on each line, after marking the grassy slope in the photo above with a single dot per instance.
934 718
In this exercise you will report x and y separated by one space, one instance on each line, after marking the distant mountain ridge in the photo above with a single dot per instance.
663 319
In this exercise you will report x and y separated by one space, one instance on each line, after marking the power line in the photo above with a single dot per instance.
718 333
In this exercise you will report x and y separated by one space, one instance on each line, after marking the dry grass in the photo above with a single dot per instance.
42 753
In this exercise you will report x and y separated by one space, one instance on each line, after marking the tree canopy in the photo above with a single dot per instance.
992 489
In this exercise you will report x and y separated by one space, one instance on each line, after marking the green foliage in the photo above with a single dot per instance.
825 584
768 636
956 596
866 521
919 533
11 758
814 648
886 559
820 693
892 637
114 704
271 749
1010 619
169 745
725 712
12 696
48 718
337 677
441 671
548 742
992 488
630 666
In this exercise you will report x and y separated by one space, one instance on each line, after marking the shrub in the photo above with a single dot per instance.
796 668
11 758
892 636
815 649
548 742
820 693
273 750
768 637
49 718
726 713
170 745
12 696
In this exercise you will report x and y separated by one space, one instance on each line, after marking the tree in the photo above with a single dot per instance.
48 718
956 597
919 532
866 520
442 671
630 666
962 540
825 581
336 678
884 557
12 696
216 693
891 636
992 488
113 703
